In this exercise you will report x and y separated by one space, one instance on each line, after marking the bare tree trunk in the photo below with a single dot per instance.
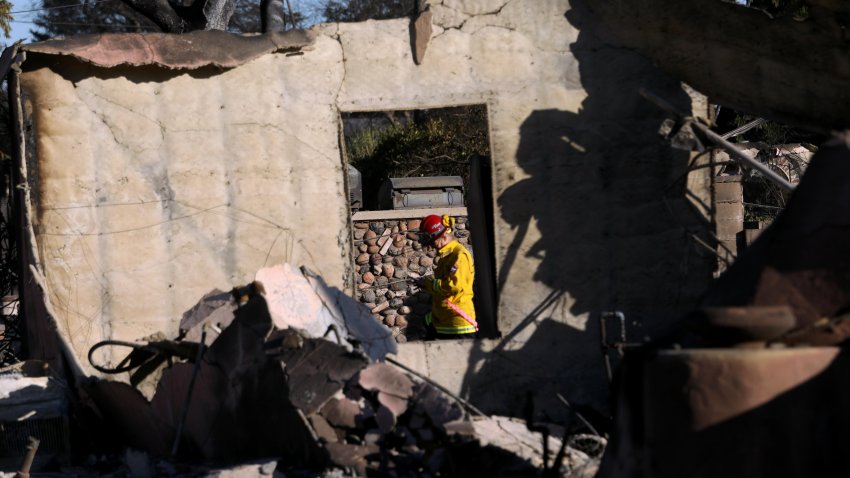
218 13
271 14
796 72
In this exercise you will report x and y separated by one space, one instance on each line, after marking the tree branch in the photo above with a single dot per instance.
218 13
161 13
271 14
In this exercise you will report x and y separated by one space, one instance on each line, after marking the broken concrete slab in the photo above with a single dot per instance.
352 456
215 308
341 412
434 404
238 403
397 405
383 377
317 370
300 299
513 435
323 429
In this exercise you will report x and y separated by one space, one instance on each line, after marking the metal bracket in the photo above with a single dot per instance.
618 345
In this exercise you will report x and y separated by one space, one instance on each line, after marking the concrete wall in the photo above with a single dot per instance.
153 186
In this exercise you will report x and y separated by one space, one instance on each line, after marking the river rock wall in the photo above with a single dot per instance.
388 257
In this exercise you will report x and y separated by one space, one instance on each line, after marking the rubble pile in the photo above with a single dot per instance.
386 255
294 370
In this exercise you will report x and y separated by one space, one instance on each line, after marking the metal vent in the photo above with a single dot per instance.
415 193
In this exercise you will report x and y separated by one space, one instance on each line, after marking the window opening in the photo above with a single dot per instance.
402 166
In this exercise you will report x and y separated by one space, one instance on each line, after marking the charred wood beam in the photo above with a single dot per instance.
161 13
796 72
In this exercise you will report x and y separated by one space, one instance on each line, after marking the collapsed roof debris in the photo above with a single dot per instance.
293 369
302 299
754 383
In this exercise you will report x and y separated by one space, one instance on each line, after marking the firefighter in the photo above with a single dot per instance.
452 313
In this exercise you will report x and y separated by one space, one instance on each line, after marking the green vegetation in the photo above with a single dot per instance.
771 132
431 143
763 200
6 17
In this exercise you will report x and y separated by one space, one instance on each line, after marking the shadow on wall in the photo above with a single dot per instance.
608 198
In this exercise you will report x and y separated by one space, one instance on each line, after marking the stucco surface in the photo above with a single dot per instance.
157 187
152 193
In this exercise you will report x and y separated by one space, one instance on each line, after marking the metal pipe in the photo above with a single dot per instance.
718 140
743 157
743 129
603 336
32 447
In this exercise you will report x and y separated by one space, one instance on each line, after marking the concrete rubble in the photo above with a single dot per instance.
288 376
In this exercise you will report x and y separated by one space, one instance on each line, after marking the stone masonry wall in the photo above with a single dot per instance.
386 255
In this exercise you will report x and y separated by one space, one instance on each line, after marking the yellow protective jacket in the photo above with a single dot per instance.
452 311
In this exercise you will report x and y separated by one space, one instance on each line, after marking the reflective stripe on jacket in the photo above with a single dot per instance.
452 311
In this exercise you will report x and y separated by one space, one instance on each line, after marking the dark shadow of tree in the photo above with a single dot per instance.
608 198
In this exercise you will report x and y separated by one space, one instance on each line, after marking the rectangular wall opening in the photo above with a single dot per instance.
402 166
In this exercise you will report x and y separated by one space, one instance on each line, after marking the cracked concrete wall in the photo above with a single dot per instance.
225 171
154 188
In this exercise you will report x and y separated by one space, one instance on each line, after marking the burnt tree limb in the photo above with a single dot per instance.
162 14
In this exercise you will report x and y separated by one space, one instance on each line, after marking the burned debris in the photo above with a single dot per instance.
250 378
752 382
149 161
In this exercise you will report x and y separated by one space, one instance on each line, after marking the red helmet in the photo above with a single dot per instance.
432 227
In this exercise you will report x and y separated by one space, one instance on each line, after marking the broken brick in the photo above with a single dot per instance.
386 378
